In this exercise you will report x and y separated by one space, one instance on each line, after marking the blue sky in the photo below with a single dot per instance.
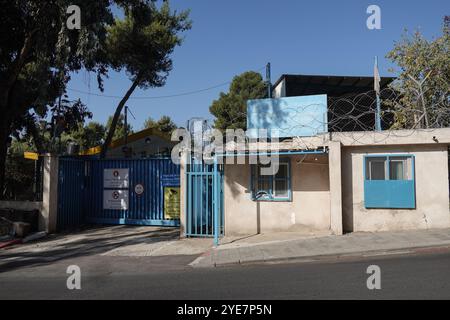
233 36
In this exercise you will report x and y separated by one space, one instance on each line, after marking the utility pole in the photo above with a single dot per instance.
125 148
126 126
268 81
377 79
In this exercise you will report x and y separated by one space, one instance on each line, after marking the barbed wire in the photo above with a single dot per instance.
419 109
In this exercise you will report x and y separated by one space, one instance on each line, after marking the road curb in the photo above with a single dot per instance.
9 243
327 257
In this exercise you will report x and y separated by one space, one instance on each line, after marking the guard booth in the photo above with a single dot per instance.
118 191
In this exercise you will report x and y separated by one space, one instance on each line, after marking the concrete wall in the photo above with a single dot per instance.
21 205
48 207
310 205
280 90
335 172
49 211
432 190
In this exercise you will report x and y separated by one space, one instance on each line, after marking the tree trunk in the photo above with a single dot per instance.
6 86
4 134
119 108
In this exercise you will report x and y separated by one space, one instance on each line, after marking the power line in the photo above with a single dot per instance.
155 97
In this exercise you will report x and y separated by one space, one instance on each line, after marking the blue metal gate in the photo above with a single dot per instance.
145 206
204 199
82 191
70 193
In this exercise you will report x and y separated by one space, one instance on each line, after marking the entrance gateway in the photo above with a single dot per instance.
140 192
116 191
204 199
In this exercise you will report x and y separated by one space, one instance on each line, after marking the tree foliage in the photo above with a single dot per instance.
119 132
87 136
38 53
423 80
142 44
20 172
230 110
164 124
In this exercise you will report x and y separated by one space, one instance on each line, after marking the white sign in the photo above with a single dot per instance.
139 189
115 199
115 178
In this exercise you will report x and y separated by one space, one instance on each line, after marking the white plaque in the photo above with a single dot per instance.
115 199
115 178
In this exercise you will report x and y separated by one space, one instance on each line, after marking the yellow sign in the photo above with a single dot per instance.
171 203
31 155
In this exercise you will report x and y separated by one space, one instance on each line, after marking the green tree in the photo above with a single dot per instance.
119 132
45 134
230 110
142 44
423 80
88 136
38 53
164 124
19 174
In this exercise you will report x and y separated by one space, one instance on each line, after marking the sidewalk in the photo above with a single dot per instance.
310 249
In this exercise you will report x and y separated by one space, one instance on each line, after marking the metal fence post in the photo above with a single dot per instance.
216 204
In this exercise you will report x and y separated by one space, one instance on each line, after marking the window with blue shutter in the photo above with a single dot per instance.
389 181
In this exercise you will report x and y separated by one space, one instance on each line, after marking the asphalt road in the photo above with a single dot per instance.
425 276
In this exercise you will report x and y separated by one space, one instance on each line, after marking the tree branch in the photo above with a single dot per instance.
115 119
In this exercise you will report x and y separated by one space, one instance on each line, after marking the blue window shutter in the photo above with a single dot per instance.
390 194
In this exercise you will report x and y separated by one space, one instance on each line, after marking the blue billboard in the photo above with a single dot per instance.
303 116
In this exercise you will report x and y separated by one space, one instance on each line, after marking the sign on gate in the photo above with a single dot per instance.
115 199
115 178
114 191
171 202
139 189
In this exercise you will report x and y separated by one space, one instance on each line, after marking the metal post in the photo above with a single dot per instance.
378 113
216 204
126 127
268 81
378 124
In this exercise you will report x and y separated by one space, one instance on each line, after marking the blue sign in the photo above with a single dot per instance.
303 116
170 180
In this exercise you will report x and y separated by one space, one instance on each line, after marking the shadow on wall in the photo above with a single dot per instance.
238 180
272 114
310 173
347 190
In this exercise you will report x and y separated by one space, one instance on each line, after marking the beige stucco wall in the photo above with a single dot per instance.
310 205
432 190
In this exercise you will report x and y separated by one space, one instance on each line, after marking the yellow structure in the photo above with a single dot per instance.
30 155
142 144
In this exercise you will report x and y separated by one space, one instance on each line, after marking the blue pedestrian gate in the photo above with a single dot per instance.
115 191
204 199
70 193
